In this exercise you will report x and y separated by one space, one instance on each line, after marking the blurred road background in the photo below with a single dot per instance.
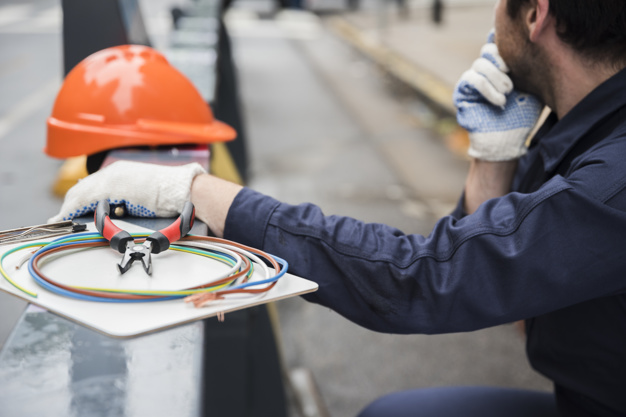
335 115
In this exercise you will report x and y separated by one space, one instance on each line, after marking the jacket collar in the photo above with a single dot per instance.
557 137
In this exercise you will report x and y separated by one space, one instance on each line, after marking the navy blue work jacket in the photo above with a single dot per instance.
553 251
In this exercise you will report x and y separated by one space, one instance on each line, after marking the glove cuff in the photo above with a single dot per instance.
498 146
175 188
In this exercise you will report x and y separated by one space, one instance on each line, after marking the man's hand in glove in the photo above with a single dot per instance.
146 190
497 117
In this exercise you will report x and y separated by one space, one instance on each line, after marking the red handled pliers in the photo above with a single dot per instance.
123 242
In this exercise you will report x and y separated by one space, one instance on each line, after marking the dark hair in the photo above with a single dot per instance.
594 28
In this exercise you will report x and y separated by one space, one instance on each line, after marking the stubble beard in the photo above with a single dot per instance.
527 69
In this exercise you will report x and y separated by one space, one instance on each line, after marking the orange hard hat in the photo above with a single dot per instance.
128 96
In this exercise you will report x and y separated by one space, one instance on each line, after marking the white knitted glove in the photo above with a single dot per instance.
146 190
497 117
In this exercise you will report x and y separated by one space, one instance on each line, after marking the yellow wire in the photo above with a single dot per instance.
154 292
8 278
113 290
16 285
161 292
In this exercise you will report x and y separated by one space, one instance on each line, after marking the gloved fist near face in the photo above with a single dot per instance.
497 117
146 190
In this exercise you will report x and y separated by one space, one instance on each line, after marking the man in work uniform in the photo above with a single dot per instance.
538 234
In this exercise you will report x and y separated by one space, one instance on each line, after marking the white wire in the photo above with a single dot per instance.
218 246
203 245
252 256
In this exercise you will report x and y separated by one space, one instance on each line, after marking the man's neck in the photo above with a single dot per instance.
572 78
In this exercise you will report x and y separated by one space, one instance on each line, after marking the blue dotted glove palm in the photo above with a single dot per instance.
146 190
497 117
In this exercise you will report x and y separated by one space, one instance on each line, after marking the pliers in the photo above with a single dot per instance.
157 242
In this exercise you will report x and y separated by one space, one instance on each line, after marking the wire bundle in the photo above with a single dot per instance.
241 259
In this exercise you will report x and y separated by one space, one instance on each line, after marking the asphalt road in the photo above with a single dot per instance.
30 75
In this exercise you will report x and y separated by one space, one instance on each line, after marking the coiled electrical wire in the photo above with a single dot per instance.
235 281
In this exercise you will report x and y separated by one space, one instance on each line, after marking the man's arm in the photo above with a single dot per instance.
498 119
212 197
487 180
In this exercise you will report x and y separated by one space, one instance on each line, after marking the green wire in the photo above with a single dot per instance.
6 275
211 255
208 254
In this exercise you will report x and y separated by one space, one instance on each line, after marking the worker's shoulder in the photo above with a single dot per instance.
600 171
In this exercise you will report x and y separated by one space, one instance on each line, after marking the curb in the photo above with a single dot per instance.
424 82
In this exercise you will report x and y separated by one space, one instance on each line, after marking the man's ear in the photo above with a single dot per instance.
537 18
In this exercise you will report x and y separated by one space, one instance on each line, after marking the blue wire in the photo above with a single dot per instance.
57 290
80 235
53 288
98 238
282 272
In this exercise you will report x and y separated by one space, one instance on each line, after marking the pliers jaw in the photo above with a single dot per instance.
135 251
157 242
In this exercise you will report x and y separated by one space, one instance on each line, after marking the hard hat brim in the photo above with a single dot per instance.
66 139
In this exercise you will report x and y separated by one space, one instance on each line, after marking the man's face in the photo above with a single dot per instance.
516 50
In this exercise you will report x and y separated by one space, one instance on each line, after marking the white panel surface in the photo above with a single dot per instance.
172 270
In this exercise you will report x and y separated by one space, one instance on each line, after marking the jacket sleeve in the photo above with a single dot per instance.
516 257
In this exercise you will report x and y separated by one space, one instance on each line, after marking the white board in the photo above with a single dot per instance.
172 270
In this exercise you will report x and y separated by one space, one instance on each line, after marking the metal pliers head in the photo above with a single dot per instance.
157 242
135 251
